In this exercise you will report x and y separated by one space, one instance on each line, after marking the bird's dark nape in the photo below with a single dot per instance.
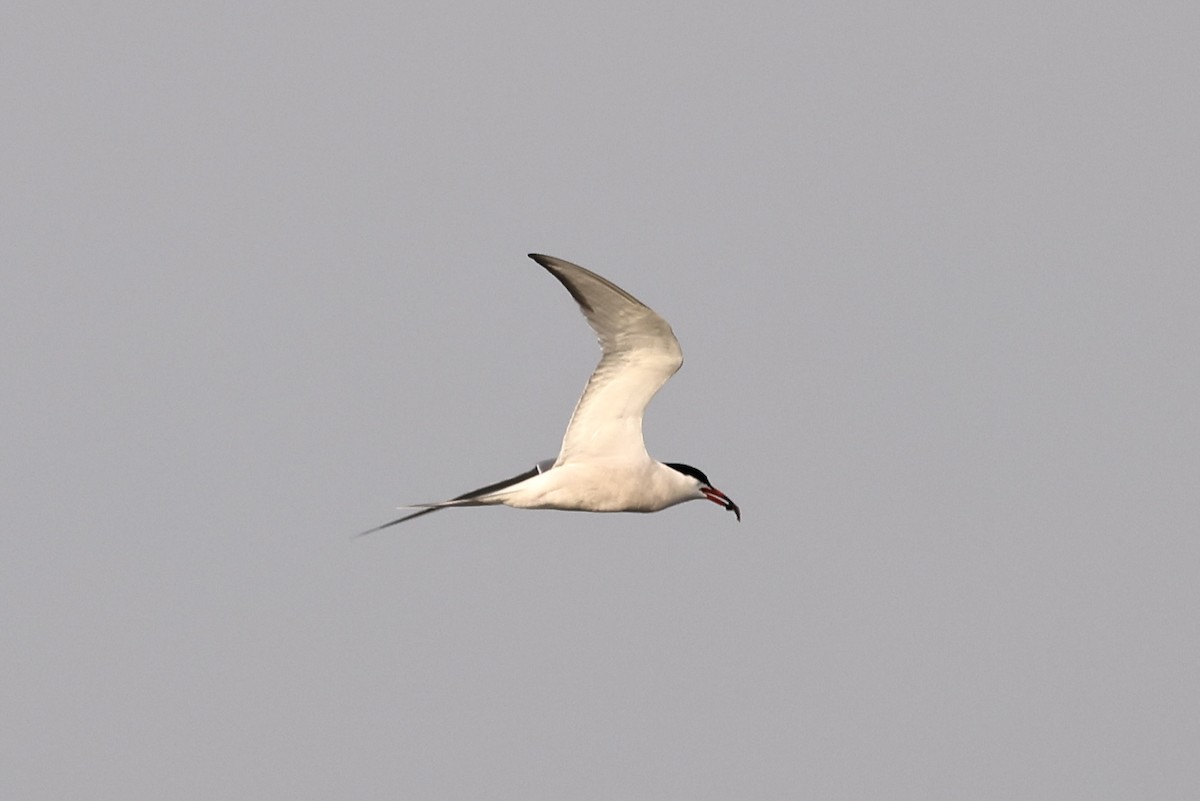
688 470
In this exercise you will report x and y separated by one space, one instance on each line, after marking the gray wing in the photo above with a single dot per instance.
639 352
467 498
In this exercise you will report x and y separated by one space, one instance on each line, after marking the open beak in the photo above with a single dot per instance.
716 496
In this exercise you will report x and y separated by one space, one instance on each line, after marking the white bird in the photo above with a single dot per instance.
603 465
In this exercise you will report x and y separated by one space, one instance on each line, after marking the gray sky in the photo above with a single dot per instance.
935 272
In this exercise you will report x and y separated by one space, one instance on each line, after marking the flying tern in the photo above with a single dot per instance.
603 465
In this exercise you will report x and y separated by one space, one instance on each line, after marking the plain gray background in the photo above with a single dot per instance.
936 272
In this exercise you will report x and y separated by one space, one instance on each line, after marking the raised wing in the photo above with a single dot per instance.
640 353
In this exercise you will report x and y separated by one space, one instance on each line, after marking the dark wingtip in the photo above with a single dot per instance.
391 523
550 263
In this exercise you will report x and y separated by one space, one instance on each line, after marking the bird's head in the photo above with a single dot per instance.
705 489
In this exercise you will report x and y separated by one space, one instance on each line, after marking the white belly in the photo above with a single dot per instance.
595 487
